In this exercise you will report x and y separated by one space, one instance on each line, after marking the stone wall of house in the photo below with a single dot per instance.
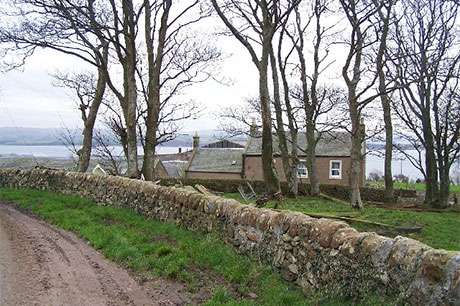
315 254
212 175
253 170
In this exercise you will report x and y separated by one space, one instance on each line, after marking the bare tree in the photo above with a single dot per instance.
122 36
254 23
313 97
175 60
172 114
427 67
105 33
385 15
289 164
291 113
65 27
358 14
242 119
89 90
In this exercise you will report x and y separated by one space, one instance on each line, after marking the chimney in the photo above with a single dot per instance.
253 128
180 150
196 141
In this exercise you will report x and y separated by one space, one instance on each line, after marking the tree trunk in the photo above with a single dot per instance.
84 154
153 95
268 30
356 152
311 138
293 181
270 177
357 134
431 193
355 178
131 124
130 87
389 189
148 166
282 140
432 188
444 186
388 175
311 159
123 135
310 101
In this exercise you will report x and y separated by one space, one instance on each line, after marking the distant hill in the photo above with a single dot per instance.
30 136
53 136
50 136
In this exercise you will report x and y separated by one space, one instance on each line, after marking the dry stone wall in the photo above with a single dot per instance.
337 191
316 254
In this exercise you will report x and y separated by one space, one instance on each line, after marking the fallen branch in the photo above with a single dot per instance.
350 219
327 197
203 189
415 229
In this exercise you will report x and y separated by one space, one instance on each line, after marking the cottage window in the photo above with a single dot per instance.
302 169
335 171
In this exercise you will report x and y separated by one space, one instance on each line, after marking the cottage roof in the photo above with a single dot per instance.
225 143
337 144
183 156
175 168
217 160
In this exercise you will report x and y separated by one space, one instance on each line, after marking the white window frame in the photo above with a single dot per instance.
302 161
335 177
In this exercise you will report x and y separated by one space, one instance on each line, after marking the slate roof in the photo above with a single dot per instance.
335 144
183 156
225 144
175 168
217 160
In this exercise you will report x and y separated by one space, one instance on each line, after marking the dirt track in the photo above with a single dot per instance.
41 265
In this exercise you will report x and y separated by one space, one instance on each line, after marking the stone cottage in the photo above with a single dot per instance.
332 159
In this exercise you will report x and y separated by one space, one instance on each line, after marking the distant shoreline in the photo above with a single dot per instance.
63 145
34 144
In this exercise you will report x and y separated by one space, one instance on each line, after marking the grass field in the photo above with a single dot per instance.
412 186
166 250
440 230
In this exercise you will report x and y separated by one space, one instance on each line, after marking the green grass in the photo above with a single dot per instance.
161 249
409 185
440 230
421 186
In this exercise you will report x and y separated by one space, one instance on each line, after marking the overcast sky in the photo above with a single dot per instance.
28 98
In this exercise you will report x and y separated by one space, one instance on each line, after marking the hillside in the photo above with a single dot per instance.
52 136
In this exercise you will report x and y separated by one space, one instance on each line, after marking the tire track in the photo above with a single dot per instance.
42 265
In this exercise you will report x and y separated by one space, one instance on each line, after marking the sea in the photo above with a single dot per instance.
60 151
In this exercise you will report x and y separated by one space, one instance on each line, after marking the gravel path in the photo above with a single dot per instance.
42 265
